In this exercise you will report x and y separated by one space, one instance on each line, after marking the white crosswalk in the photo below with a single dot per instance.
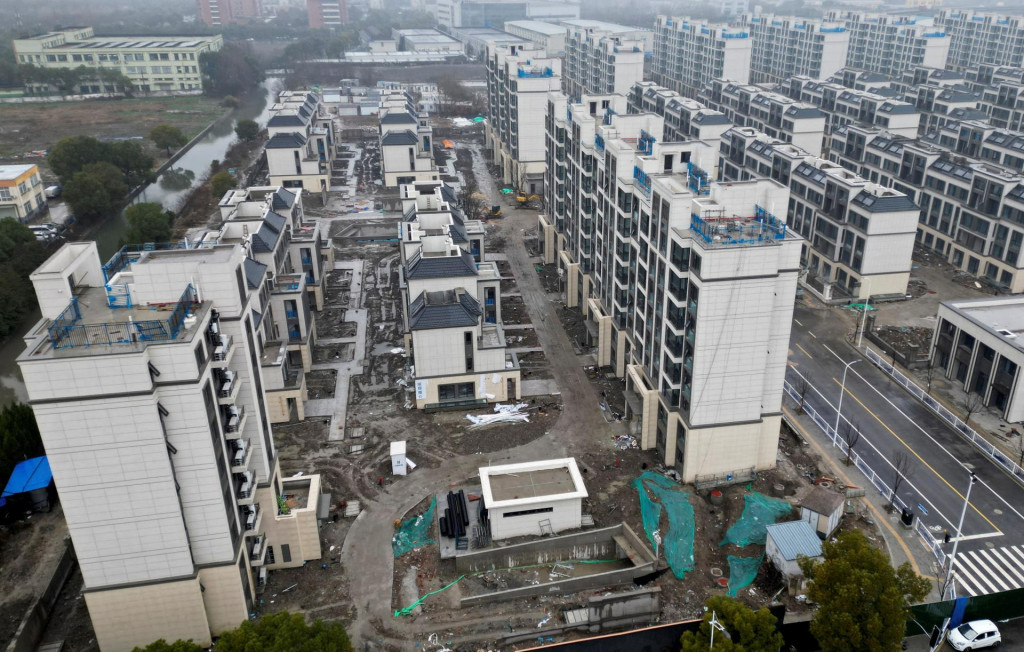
979 572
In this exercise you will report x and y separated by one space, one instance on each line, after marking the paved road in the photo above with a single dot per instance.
892 423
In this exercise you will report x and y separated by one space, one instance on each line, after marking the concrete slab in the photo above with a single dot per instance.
539 387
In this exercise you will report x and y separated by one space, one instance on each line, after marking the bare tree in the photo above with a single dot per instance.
850 432
801 386
469 200
971 405
902 468
929 373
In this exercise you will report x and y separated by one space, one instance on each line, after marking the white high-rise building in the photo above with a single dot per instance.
601 58
891 44
146 376
686 286
977 38
784 47
690 53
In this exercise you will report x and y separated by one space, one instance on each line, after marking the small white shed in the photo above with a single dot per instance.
787 542
533 498
398 465
822 509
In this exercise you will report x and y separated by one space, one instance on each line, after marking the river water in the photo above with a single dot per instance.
254 106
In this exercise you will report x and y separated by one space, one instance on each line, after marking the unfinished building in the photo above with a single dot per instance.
301 145
145 378
406 141
451 306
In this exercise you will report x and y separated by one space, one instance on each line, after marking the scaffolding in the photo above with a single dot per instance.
716 228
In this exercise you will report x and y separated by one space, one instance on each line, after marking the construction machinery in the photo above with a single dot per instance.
524 201
495 211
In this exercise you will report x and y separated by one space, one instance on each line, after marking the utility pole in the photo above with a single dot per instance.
959 530
842 391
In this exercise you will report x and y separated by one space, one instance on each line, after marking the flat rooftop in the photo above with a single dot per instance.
538 26
12 172
602 26
1002 317
135 43
531 482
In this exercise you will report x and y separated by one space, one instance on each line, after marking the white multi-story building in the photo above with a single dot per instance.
685 119
686 286
518 82
844 106
891 44
859 235
940 105
301 145
785 47
778 116
544 36
145 378
977 38
406 141
601 59
688 54
452 305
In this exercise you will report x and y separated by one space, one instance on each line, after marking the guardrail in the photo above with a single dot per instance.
946 415
876 480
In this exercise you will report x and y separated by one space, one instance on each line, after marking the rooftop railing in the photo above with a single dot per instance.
131 253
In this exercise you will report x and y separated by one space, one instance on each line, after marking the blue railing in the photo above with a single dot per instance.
642 180
535 72
934 35
832 30
599 142
66 332
645 143
763 227
697 179
291 314
129 254
735 35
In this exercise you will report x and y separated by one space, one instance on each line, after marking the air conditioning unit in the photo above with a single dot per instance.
250 519
240 453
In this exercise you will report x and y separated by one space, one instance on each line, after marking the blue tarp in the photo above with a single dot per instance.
28 476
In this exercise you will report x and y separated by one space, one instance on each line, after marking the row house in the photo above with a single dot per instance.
685 119
302 143
843 106
406 141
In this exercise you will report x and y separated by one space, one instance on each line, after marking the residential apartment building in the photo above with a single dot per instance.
972 211
688 54
327 14
890 44
790 120
518 82
544 36
406 141
685 119
661 261
453 14
301 145
784 47
152 63
145 378
451 305
601 59
978 38
859 235
940 105
1002 102
976 344
215 13
843 106
21 192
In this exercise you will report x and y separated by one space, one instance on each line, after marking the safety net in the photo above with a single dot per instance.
742 571
414 532
658 493
759 511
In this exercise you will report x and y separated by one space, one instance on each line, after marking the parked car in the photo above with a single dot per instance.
54 226
53 191
975 635
43 228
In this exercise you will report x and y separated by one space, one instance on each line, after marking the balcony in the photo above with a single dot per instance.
228 385
222 351
492 336
289 283
252 518
241 455
245 488
258 550
234 421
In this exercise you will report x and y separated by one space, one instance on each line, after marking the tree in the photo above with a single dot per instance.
167 136
72 154
19 438
801 386
229 71
469 200
850 432
929 373
20 254
133 161
285 632
247 129
971 404
110 176
177 646
862 599
147 222
87 197
748 630
220 183
901 470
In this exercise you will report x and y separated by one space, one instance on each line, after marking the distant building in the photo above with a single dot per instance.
689 54
891 44
327 13
478 39
546 36
21 192
406 141
215 13
977 38
601 58
425 40
784 47
152 63
452 14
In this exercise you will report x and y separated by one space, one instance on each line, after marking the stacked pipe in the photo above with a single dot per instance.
456 515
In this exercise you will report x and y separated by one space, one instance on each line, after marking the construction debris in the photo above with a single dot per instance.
502 414
623 442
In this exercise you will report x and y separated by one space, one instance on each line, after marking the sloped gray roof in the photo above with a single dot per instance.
269 234
282 199
419 267
289 120
286 141
397 118
822 501
400 138
711 119
795 538
444 309
255 271
876 204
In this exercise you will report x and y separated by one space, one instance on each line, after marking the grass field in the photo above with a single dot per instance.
26 128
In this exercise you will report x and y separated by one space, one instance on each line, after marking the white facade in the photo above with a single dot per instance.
533 498
689 54
545 36
891 44
685 119
601 59
784 47
978 38
406 141
845 106
155 425
301 145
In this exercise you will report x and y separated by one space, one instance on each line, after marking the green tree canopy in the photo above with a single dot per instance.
247 129
19 435
862 599
20 254
133 161
110 176
232 70
87 196
220 183
70 155
163 646
748 630
147 222
285 632
167 136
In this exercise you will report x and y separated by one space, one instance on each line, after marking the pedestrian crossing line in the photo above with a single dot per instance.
992 565
992 570
965 564
1008 563
961 581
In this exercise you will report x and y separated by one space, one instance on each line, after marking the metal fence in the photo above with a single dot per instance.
876 480
946 415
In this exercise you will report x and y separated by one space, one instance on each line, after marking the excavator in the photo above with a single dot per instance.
524 201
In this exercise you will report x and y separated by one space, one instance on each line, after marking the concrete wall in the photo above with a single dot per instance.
571 585
565 515
606 612
38 614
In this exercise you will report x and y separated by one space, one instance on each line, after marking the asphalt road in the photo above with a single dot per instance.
892 423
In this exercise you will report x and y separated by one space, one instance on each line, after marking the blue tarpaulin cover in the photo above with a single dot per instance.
28 476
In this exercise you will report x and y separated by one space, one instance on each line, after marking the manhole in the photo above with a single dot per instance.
716 572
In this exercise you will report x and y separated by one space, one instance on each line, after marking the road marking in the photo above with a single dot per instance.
972 537
797 322
963 561
805 351
812 334
926 433
1009 563
915 453
879 518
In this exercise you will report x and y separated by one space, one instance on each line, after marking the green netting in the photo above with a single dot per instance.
759 511
677 543
414 532
742 571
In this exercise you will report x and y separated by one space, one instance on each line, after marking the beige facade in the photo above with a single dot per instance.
138 615
21 192
224 595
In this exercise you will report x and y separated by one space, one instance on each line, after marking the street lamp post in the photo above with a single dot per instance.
842 390
864 317
956 542
716 624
